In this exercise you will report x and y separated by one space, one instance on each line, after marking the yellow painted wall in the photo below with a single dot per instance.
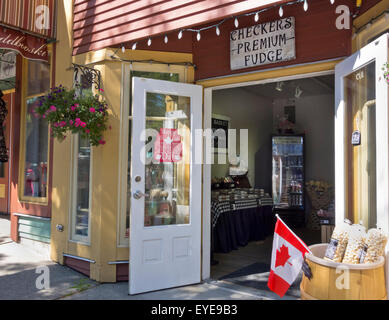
62 151
380 24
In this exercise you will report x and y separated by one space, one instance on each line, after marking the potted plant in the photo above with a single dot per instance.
69 112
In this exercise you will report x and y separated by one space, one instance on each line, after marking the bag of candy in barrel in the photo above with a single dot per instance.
356 245
338 242
375 241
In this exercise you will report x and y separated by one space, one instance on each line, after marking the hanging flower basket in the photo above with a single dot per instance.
67 112
386 72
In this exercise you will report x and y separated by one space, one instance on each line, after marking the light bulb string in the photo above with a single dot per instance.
152 61
217 25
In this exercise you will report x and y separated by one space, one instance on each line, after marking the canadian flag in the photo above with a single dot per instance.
287 258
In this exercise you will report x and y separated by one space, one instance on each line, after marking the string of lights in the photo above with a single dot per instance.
217 26
131 61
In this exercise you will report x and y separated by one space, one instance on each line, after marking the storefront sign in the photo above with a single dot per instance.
28 46
265 43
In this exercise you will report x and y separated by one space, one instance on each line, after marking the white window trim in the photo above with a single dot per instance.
73 187
73 237
375 51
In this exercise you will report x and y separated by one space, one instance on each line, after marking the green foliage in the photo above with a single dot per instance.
69 112
386 72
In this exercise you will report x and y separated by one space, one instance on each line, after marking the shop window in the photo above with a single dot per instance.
82 153
81 190
360 99
35 134
125 215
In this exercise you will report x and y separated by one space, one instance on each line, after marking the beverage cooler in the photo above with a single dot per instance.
288 178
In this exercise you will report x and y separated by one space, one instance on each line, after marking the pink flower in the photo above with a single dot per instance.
71 122
44 116
87 130
83 124
102 141
73 108
92 110
101 90
53 108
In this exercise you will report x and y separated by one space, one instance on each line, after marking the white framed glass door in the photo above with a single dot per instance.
165 218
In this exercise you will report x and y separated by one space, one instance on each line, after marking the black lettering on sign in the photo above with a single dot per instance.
269 42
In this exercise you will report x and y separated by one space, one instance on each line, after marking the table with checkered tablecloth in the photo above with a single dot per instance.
236 222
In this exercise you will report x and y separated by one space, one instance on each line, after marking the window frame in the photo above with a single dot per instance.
126 91
22 151
73 237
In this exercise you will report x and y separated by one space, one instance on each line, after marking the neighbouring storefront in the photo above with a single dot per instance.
27 56
129 210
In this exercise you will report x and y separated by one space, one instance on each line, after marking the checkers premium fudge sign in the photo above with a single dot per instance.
265 43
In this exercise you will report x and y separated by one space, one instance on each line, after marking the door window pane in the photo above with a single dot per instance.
36 150
167 169
151 75
360 95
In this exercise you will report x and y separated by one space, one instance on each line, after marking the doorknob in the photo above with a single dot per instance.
138 194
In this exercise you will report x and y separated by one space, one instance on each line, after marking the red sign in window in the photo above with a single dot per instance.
168 146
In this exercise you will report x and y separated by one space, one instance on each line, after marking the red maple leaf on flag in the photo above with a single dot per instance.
282 256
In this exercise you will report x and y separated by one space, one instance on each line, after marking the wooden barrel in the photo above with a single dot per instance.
365 281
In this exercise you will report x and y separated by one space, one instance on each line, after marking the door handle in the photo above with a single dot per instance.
138 194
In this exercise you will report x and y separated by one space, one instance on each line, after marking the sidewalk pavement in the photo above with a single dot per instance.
18 279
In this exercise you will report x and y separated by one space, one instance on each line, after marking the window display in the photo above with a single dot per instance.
36 135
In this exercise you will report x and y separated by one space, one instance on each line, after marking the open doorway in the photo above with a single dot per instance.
289 170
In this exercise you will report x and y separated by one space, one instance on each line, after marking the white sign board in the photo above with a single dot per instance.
265 43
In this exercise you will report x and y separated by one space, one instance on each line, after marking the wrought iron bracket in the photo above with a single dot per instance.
89 76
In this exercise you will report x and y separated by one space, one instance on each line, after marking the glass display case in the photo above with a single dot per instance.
288 172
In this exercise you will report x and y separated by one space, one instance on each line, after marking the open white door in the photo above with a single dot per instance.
362 169
165 218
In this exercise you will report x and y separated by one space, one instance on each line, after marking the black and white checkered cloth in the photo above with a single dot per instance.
219 207
266 201
244 204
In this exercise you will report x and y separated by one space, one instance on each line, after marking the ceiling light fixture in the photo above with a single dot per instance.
298 93
279 86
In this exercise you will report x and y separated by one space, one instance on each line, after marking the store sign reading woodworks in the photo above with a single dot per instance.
265 43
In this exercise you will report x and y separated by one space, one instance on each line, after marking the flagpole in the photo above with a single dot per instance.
301 241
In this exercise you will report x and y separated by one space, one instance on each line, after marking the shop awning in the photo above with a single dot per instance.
28 46
26 26
33 16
